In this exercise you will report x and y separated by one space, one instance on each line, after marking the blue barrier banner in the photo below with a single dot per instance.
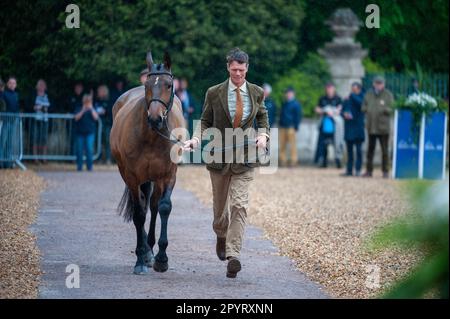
434 146
406 146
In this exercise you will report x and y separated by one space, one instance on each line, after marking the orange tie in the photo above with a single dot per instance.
239 109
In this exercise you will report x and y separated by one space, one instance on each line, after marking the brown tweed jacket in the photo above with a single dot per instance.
216 114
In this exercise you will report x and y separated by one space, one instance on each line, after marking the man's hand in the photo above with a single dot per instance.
348 116
261 141
191 145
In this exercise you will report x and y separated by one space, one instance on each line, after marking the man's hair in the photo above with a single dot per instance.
237 55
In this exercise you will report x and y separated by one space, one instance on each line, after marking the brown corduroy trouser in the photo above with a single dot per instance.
230 205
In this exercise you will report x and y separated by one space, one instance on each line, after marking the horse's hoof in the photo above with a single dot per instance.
160 266
150 260
140 270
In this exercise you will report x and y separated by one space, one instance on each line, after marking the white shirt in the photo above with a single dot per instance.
246 101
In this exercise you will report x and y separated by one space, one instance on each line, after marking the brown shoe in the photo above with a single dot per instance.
220 248
234 266
367 175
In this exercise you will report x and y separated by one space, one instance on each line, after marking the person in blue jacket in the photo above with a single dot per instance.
354 128
86 118
290 118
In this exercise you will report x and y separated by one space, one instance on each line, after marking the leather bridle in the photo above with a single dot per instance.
169 105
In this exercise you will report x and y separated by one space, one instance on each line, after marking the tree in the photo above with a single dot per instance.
411 32
113 39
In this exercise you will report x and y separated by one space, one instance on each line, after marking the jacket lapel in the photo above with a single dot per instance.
223 97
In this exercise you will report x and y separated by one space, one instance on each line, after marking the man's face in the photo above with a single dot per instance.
78 89
143 78
12 84
289 95
119 85
379 86
183 84
356 89
237 71
330 90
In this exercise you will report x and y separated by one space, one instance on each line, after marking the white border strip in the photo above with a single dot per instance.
422 146
445 147
394 159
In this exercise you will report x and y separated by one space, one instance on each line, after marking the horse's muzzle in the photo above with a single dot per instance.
155 123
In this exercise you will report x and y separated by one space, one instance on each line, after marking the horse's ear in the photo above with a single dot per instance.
167 61
149 60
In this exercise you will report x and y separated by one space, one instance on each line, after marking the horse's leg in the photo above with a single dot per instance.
164 207
139 212
155 196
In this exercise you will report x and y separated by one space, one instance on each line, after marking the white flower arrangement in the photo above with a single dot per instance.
421 100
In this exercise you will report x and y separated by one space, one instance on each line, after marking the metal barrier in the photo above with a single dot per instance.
41 137
399 83
11 147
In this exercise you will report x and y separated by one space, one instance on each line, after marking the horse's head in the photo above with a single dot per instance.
159 91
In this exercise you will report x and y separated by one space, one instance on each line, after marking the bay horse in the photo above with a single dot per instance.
142 142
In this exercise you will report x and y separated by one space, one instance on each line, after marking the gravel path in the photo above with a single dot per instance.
19 256
77 224
322 221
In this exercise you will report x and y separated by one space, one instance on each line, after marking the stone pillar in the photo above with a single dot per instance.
343 54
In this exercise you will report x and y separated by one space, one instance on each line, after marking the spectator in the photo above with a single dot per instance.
290 118
85 126
10 96
143 75
2 109
75 100
187 102
377 105
270 104
103 107
354 128
414 88
39 127
10 129
176 84
119 89
330 127
2 101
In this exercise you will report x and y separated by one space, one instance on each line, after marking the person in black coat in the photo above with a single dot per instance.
354 128
270 104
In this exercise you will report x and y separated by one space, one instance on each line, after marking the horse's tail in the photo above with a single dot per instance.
125 207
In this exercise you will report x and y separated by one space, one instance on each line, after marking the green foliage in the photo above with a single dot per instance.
373 67
425 228
114 36
410 32
308 80
278 35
